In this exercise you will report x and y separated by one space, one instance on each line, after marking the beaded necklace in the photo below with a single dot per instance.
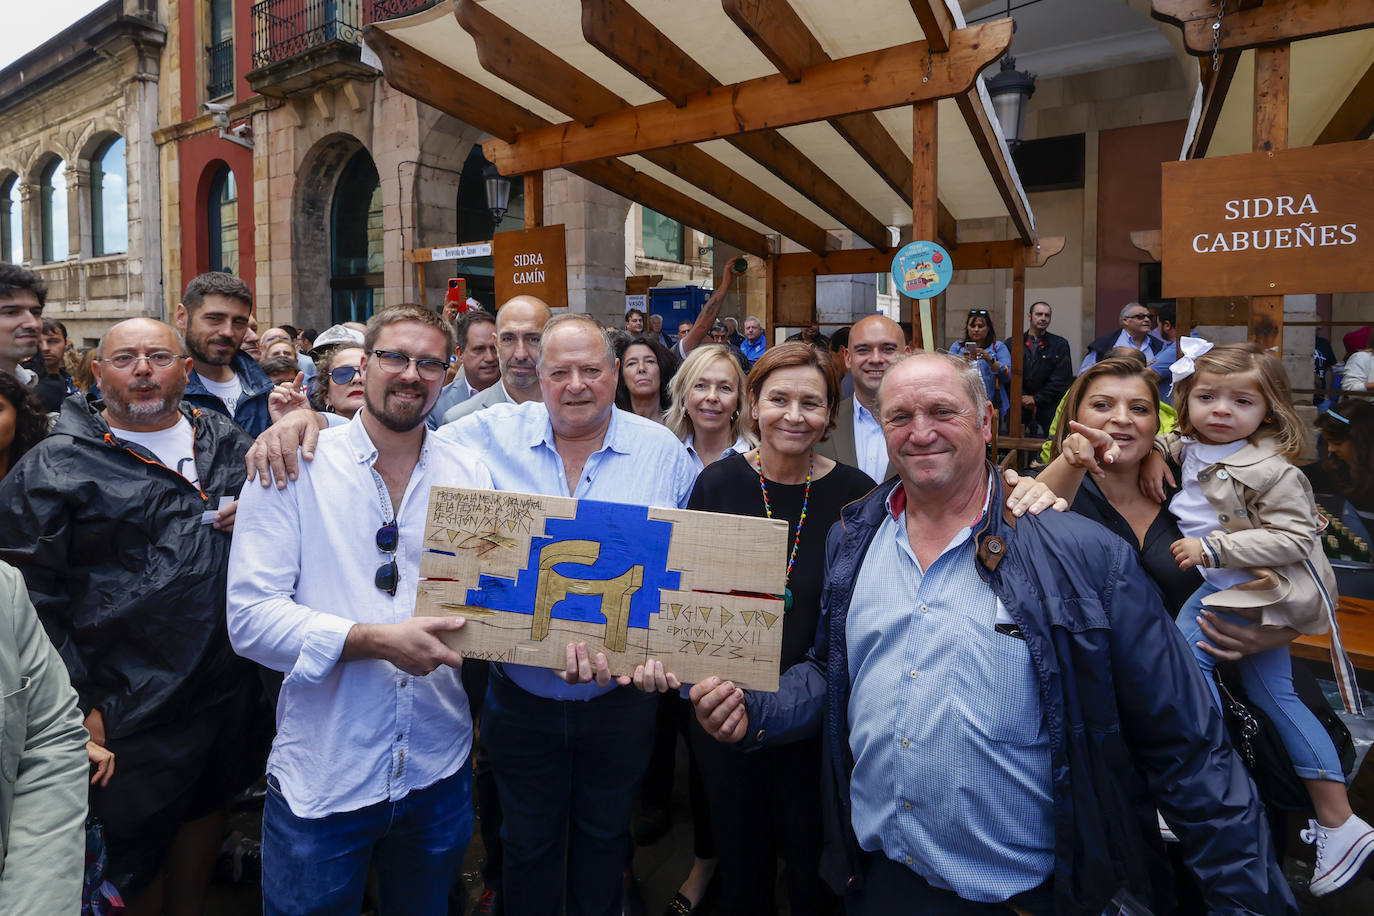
768 510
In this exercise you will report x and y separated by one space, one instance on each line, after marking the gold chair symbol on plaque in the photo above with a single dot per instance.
553 587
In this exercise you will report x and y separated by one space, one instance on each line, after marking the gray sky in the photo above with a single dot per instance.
28 24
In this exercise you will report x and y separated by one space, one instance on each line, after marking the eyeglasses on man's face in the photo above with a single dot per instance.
393 363
1140 316
159 360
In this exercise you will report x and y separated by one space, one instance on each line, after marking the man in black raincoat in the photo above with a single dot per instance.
119 522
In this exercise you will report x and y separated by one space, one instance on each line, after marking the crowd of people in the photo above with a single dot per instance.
996 690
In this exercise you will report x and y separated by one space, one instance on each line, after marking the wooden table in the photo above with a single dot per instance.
1356 617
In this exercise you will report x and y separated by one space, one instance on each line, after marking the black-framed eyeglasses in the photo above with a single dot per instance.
388 574
160 360
1143 316
393 363
344 374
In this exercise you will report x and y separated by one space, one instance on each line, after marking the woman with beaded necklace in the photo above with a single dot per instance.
769 802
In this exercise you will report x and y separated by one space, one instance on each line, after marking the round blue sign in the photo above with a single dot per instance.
922 270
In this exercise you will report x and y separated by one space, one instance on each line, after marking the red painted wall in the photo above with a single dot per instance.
1128 190
200 156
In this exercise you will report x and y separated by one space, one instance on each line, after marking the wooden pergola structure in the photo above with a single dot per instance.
1273 74
781 127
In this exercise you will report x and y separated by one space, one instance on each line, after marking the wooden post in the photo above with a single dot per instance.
1018 330
534 200
925 202
1270 133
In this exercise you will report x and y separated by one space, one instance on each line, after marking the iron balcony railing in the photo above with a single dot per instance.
283 29
221 66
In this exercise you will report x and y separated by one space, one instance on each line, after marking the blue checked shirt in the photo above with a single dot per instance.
640 463
951 754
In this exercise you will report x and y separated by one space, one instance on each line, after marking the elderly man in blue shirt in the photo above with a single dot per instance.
568 748
1005 701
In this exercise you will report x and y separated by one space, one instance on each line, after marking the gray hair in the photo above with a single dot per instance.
567 318
964 371
1128 306
753 318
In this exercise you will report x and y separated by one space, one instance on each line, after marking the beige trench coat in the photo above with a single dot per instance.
1270 526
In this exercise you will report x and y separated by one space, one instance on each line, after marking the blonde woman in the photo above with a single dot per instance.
708 410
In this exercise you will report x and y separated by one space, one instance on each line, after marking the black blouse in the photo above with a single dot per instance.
1175 584
731 485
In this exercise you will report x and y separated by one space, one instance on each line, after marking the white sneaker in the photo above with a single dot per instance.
1341 851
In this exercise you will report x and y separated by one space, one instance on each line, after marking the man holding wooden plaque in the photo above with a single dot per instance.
370 763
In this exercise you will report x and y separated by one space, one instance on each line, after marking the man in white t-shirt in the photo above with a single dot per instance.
119 522
213 315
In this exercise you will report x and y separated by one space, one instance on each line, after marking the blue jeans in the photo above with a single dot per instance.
568 772
1268 680
318 866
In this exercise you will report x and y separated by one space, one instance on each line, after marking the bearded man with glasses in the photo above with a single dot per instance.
120 522
370 763
1136 323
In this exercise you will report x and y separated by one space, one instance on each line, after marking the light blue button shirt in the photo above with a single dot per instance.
870 448
640 463
352 733
951 753
741 445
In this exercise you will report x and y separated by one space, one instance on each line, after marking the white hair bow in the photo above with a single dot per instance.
1192 348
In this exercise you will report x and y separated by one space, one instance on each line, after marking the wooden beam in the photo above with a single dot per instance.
506 52
1018 348
1269 23
426 79
1354 119
620 32
1270 133
1214 98
969 256
925 204
865 82
534 200
936 22
980 127
779 33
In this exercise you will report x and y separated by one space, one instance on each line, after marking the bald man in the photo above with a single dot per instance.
875 343
120 523
519 322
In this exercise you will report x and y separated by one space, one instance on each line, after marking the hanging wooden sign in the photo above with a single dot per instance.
532 262
1270 223
531 574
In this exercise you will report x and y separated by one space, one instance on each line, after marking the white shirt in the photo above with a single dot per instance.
229 392
740 446
1196 516
870 448
301 569
640 463
174 446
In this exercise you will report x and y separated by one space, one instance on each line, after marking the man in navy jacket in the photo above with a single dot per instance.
1004 702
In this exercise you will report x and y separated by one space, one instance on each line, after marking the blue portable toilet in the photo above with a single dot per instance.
676 304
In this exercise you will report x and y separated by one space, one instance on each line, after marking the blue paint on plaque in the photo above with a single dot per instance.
626 537
922 270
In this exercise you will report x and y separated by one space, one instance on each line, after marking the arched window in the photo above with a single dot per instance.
355 223
11 222
109 200
222 214
53 211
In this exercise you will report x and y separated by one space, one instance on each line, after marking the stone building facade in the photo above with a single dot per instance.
80 202
314 179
